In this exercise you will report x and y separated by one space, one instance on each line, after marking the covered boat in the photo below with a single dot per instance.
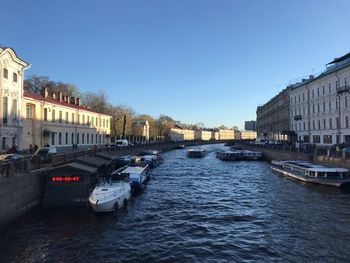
138 174
312 172
196 153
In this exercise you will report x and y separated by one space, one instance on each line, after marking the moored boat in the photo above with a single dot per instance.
151 160
312 173
239 155
138 174
110 194
196 153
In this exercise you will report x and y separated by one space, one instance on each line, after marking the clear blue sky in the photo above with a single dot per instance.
196 61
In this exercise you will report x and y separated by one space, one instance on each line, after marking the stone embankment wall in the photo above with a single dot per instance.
19 194
274 154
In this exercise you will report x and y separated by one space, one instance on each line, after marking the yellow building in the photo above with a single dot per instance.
226 134
59 120
246 135
202 135
11 87
181 134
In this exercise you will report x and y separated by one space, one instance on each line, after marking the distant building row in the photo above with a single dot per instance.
315 110
177 134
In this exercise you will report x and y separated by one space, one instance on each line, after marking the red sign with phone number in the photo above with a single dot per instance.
65 178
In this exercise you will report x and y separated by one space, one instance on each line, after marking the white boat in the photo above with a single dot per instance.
110 194
138 174
196 153
239 155
312 173
150 152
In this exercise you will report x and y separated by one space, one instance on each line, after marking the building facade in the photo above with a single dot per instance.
43 119
181 134
141 129
250 125
320 109
203 135
60 120
11 87
273 118
247 135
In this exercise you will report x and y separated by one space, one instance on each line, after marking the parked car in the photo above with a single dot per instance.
10 157
121 143
44 154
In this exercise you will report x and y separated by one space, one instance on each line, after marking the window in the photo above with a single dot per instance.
78 119
319 124
299 98
66 138
313 93
60 138
96 123
53 116
87 138
324 106
92 138
73 118
318 107
337 84
323 90
88 120
53 138
324 124
337 122
67 116
5 73
330 123
96 141
313 108
14 109
78 138
60 117
29 112
72 138
316 138
346 122
330 105
345 82
318 92
303 97
83 138
330 88
5 109
346 101
83 120
104 122
14 77
313 124
45 114
304 125
327 139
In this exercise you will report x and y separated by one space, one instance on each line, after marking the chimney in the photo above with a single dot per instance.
71 100
45 92
77 101
60 96
311 77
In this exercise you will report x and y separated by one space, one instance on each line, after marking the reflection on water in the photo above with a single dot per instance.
195 210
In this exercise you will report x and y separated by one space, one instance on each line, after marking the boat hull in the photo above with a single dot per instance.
327 182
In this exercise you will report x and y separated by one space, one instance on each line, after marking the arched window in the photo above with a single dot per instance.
60 138
66 138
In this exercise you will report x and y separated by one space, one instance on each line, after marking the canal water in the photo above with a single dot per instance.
195 210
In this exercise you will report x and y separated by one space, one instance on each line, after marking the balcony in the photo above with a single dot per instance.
343 89
297 117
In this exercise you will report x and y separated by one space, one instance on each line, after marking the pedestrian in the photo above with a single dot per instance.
30 148
35 148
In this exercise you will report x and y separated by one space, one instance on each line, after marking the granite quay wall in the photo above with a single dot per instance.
321 156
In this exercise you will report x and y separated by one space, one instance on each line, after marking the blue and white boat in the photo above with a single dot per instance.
138 174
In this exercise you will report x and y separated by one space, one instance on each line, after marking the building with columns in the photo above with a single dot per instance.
11 96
